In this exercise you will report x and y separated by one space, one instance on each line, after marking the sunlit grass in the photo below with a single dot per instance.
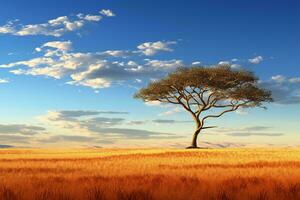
149 174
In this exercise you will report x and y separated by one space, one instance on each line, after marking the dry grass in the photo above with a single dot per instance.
149 174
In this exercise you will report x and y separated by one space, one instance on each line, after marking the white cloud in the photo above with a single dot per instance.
47 71
3 81
7 29
35 62
256 60
153 103
278 78
107 13
235 66
116 53
167 64
95 83
230 64
196 63
132 63
224 63
57 61
91 69
138 80
294 80
81 78
38 49
62 46
54 27
95 18
151 48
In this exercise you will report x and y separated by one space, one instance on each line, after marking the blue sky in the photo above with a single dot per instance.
69 69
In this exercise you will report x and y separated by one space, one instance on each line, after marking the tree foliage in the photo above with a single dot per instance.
199 89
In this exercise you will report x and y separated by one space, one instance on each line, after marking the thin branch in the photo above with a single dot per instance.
191 96
167 101
222 106
219 115
207 127
234 108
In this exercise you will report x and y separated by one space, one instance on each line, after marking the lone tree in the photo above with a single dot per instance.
217 89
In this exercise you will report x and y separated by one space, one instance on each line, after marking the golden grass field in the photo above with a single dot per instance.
149 174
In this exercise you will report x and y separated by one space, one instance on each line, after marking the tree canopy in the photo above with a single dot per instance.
199 89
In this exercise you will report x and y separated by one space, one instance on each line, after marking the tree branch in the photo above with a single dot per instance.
234 108
207 127
219 115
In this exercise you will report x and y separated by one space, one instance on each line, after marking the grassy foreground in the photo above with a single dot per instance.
149 174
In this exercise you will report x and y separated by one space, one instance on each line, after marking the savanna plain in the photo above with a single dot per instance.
150 174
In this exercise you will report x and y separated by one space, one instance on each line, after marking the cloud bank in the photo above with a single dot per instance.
92 69
284 90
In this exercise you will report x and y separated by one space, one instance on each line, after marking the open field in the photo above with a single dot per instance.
132 174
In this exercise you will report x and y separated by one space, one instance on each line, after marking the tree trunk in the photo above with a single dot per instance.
194 140
196 133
